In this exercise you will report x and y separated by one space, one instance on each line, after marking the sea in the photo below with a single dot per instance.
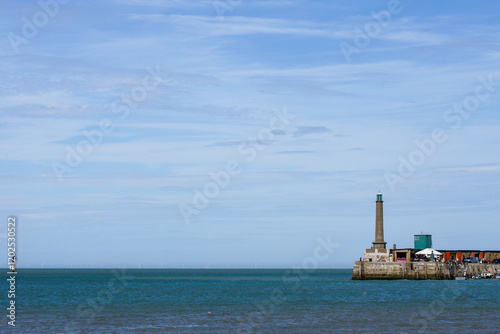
244 301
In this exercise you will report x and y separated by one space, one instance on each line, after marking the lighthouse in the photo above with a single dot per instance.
379 242
378 252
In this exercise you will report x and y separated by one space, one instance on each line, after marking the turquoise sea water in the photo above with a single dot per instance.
246 301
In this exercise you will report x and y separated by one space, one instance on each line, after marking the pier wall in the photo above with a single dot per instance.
482 268
419 270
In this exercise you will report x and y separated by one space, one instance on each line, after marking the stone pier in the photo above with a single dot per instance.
419 270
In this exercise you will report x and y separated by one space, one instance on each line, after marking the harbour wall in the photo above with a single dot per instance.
419 270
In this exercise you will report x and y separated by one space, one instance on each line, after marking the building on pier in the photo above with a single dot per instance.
379 252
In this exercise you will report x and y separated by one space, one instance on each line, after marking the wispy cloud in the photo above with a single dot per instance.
472 169
165 4
416 37
295 152
309 130
241 25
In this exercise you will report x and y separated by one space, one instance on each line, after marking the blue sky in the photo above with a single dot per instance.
115 116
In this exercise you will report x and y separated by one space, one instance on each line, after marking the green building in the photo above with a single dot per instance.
423 241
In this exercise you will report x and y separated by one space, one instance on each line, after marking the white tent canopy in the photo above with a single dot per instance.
428 252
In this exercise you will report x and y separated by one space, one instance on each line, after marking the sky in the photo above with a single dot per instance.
246 133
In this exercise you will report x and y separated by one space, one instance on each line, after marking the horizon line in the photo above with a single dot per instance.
155 268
